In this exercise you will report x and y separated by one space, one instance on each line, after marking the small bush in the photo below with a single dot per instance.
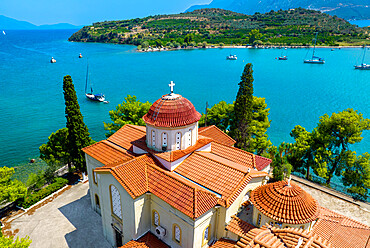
35 197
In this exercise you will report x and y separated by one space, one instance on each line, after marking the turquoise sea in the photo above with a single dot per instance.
32 104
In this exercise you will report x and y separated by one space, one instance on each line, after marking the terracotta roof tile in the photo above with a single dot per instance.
239 227
224 243
271 237
173 155
217 135
107 153
126 134
171 113
262 162
285 203
149 240
341 231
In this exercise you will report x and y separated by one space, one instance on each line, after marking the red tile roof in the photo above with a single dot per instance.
262 162
107 153
173 155
217 135
271 237
223 243
285 203
175 112
239 227
341 231
126 135
149 240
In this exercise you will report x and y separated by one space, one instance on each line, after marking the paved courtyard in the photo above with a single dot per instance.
67 221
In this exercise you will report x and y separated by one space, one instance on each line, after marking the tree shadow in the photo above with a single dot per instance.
88 224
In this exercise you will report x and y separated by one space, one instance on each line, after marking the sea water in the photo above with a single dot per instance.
32 103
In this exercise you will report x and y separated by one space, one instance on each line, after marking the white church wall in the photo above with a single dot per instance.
207 220
92 164
142 215
171 136
127 224
168 217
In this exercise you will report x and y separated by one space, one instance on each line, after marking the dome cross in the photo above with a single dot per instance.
171 86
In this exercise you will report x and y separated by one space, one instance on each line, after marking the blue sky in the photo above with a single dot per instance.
83 12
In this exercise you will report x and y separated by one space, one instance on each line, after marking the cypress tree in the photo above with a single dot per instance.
78 133
240 128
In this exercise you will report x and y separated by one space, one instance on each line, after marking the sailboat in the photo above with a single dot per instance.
94 97
314 59
53 60
363 66
283 57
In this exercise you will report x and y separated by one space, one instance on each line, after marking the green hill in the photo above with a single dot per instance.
215 26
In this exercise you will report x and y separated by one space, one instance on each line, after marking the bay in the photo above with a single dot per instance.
33 104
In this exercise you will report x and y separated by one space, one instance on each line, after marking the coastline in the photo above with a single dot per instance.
154 49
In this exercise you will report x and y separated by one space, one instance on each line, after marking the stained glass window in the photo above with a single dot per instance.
153 138
178 140
156 218
206 232
177 233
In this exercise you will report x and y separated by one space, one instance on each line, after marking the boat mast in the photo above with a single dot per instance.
314 46
87 75
363 57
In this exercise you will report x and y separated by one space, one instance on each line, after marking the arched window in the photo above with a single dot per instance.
155 218
97 202
190 137
178 140
271 223
164 140
115 202
259 220
301 227
153 138
206 234
176 233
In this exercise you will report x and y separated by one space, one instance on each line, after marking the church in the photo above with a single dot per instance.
173 184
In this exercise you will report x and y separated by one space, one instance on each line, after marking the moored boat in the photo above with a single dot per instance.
93 97
314 59
53 60
232 57
363 66
80 56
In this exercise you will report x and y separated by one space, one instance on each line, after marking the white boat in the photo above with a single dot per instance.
232 57
80 56
314 59
53 60
93 97
363 66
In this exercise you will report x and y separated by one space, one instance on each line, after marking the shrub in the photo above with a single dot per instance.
35 197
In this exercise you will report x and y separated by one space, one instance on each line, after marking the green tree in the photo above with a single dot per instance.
357 176
55 151
36 180
9 242
78 133
130 111
188 38
240 129
219 115
254 35
334 134
10 190
281 167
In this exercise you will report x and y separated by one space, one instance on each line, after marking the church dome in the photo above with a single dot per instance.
285 202
171 110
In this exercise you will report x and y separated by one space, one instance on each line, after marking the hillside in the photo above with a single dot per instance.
346 9
7 23
215 26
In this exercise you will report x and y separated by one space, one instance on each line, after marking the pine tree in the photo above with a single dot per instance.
240 129
78 133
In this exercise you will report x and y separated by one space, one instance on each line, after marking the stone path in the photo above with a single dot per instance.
67 221
335 201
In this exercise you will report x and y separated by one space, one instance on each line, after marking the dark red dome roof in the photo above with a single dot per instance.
171 111
284 202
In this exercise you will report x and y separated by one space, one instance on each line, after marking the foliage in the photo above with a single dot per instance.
219 115
357 176
44 192
55 151
281 167
215 26
36 180
240 126
78 133
9 242
326 149
130 111
10 190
